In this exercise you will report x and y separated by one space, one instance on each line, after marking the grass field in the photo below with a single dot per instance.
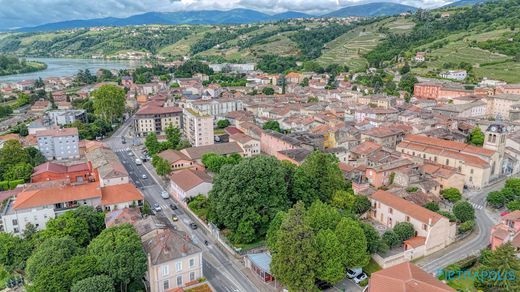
509 72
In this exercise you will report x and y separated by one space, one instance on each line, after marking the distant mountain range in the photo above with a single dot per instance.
372 9
234 16
466 3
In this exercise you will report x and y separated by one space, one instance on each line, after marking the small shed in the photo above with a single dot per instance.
260 264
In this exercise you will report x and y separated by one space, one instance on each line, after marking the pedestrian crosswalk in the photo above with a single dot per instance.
123 149
476 206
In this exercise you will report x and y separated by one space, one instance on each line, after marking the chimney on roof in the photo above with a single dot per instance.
430 221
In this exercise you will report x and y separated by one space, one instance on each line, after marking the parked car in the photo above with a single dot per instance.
173 206
193 226
144 176
351 273
360 278
165 195
322 285
175 218
130 153
157 207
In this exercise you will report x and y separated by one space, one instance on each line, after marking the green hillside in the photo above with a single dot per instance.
484 38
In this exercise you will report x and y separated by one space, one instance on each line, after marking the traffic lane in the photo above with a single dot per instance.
135 171
214 277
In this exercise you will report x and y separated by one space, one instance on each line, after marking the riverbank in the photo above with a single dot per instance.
61 67
23 67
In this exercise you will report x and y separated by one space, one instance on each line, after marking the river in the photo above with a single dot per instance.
58 67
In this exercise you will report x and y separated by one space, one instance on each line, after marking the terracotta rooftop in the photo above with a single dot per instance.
56 194
173 155
60 168
405 277
415 211
365 148
121 193
515 215
153 109
382 132
121 216
187 179
452 145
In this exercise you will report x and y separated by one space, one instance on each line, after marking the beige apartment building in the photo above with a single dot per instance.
155 119
478 165
173 261
500 105
198 127
433 231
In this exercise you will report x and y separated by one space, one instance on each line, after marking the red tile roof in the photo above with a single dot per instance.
57 194
452 145
151 109
405 277
59 168
414 211
187 179
120 194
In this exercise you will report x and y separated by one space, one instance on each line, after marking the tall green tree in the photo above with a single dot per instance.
248 195
322 216
173 135
476 137
162 166
273 126
152 144
68 225
109 102
330 263
408 82
318 178
14 252
46 268
295 259
463 211
22 170
504 262
101 283
353 242
404 230
120 255
451 194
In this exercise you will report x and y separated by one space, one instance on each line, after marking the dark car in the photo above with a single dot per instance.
193 226
322 285
173 206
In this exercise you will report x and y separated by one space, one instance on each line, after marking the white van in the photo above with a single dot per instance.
138 161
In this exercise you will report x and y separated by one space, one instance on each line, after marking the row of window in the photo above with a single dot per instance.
178 267
166 283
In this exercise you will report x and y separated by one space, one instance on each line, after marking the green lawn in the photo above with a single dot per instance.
372 267
509 72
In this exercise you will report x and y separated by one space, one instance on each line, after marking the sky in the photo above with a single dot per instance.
25 13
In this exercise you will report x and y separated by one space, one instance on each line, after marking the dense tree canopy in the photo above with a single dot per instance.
463 211
273 126
101 283
214 162
245 197
319 177
120 255
476 137
109 102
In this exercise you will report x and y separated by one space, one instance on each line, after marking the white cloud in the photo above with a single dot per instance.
23 13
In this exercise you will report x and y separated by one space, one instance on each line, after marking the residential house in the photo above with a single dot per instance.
433 231
122 216
120 196
178 160
250 146
174 261
66 117
508 230
382 175
110 171
386 136
76 173
188 183
454 74
195 153
405 277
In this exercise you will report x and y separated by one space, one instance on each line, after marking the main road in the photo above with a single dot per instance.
473 244
223 272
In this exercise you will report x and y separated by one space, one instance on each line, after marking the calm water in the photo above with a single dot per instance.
58 67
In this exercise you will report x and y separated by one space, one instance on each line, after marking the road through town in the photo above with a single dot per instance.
223 273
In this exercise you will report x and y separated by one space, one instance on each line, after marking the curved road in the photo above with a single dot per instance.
474 243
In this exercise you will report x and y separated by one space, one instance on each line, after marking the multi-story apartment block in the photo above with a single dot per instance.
501 106
65 117
59 144
155 119
198 127
217 107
